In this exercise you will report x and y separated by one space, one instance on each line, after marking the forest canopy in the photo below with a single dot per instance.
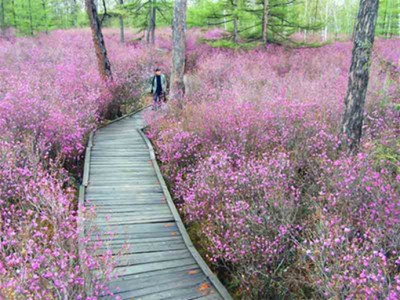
243 19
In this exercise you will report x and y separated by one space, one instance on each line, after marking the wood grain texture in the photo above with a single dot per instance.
135 212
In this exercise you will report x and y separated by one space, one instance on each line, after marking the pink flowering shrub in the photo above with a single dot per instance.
51 97
214 34
255 164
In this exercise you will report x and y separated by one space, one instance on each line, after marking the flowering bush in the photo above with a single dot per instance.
51 97
255 164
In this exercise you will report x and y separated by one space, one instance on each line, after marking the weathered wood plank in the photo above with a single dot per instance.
181 291
144 268
187 283
151 281
142 258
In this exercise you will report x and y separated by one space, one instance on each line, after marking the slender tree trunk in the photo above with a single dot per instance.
389 19
305 20
30 17
178 49
153 23
2 18
75 13
335 21
265 23
45 16
225 22
359 73
98 40
148 31
326 23
121 26
235 22
14 14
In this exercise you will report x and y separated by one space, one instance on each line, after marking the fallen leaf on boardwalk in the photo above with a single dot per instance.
203 287
192 272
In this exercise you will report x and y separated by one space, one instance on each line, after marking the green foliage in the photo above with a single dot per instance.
29 17
388 23
323 20
388 155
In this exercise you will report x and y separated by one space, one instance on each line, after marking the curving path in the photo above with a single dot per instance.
122 179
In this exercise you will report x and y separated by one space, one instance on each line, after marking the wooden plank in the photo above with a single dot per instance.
133 207
120 240
187 283
143 220
149 275
145 247
179 291
142 258
136 191
121 181
102 213
108 203
106 237
132 218
126 197
151 281
144 268
142 228
209 297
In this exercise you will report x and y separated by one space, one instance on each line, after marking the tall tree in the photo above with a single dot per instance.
75 13
30 16
265 23
153 22
235 21
121 25
2 17
359 73
98 40
178 49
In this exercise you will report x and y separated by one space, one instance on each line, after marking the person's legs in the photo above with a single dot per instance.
155 100
159 100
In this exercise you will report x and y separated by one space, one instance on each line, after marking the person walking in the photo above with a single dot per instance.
158 88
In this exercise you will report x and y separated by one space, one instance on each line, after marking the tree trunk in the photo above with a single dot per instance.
98 40
45 19
14 14
148 31
265 23
2 18
359 73
121 26
30 17
235 22
335 21
153 23
325 36
75 13
178 49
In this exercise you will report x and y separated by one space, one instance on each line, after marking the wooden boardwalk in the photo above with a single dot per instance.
122 179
